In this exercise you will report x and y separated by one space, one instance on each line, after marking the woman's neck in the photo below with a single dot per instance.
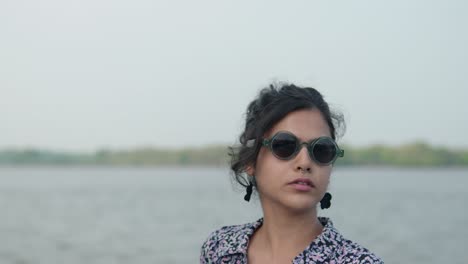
286 233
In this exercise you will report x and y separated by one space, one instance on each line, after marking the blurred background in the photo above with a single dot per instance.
115 117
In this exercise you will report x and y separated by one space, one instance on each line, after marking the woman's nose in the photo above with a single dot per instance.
304 163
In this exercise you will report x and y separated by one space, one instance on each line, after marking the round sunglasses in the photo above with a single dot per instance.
285 146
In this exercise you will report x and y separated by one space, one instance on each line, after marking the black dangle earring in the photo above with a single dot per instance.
326 201
249 192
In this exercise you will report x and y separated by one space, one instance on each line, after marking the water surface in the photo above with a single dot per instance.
162 215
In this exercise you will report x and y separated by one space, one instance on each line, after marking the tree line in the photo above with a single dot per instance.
412 154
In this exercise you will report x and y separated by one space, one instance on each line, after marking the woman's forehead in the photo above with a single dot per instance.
305 124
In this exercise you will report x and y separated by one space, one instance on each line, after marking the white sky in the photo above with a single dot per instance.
86 74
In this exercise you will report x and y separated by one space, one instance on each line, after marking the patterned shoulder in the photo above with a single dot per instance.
223 240
357 254
228 232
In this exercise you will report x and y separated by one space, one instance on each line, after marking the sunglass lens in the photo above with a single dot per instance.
324 150
284 145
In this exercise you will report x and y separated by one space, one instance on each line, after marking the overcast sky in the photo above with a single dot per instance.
86 74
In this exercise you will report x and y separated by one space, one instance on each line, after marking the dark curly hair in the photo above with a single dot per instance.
269 107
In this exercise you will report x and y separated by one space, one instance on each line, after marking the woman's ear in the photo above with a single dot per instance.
250 170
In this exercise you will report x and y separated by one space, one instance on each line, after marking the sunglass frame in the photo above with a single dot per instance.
309 145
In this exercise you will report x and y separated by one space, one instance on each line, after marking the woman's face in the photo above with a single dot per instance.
274 177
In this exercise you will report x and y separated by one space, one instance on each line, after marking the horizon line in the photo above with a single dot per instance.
206 145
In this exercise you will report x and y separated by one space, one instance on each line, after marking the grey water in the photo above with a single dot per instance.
162 215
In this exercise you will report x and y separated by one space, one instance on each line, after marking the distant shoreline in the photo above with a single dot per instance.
416 154
204 167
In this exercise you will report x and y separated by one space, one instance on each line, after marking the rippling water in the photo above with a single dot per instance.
162 215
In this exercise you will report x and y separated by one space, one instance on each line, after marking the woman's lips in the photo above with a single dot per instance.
302 184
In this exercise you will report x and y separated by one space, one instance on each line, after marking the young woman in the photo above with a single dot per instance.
286 155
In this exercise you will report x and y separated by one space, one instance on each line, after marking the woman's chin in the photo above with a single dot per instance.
301 204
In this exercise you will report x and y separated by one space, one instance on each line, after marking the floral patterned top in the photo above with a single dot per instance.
229 245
